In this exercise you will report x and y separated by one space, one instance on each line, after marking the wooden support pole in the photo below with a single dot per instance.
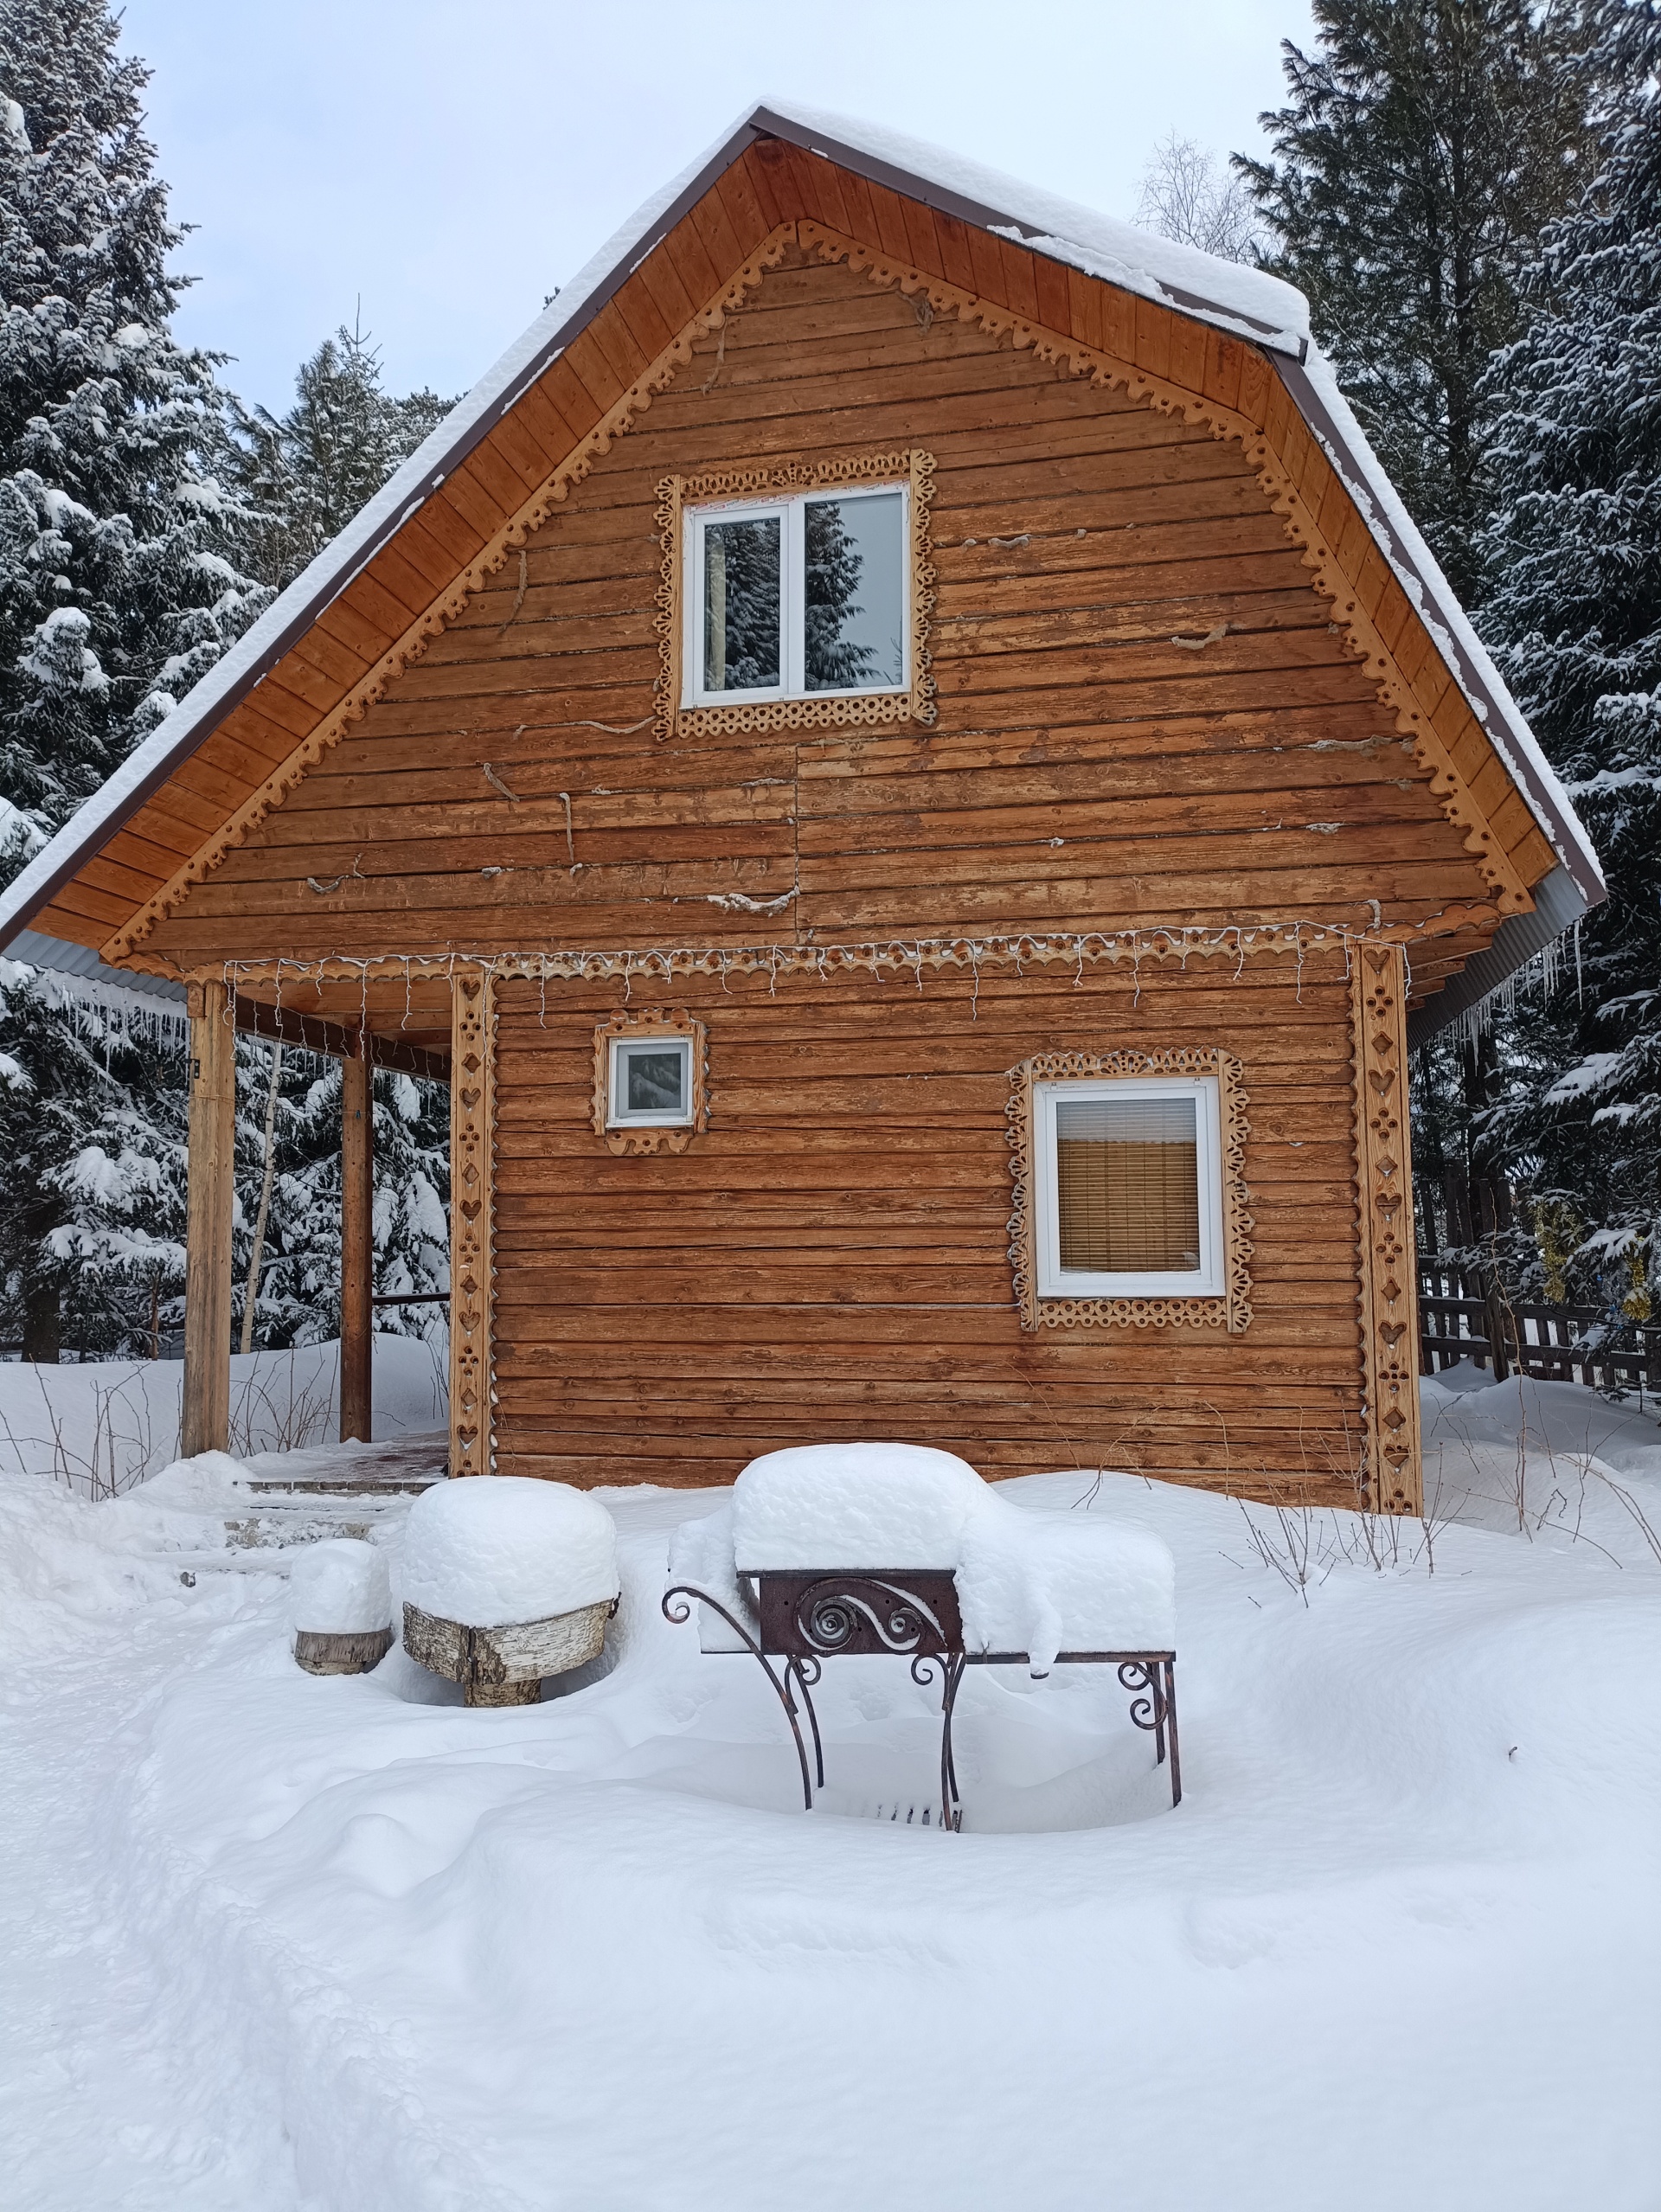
1393 1475
356 1246
205 1413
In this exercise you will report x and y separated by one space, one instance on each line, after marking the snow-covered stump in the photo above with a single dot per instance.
340 1607
505 1664
507 1580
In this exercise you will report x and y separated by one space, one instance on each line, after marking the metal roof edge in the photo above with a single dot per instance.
34 949
1559 903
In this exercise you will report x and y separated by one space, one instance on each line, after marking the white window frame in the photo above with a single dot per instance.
792 584
1208 1280
617 1115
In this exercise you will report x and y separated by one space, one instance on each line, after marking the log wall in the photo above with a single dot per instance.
830 1258
1087 769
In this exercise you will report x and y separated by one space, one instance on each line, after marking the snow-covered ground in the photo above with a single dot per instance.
105 1426
280 1942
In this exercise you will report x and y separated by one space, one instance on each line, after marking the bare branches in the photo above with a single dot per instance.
1187 194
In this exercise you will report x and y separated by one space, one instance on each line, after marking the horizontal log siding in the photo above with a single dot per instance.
1085 772
829 1260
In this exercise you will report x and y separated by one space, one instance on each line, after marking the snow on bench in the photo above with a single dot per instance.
861 1550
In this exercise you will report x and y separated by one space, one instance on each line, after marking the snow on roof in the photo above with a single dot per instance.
1248 302
1255 304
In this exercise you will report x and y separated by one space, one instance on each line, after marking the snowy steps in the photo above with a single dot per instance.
406 1464
335 1490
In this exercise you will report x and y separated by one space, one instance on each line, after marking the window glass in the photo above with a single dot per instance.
1127 1185
853 615
654 1078
740 604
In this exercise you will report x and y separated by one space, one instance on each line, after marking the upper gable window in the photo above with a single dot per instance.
797 595
798 598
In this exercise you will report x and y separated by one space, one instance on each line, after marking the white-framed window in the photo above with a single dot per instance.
805 596
650 1083
1128 1187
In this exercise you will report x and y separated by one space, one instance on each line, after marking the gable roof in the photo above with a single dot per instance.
579 365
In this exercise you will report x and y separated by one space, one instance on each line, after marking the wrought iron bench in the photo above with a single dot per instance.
803 1618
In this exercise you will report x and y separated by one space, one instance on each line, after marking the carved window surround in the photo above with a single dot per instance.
676 493
651 1021
1233 1311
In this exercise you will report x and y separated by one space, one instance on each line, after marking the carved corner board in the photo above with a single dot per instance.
1392 1471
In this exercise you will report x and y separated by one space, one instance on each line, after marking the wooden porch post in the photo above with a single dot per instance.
205 1413
357 1244
1389 1273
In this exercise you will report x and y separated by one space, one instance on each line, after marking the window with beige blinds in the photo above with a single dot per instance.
1128 1187
1127 1184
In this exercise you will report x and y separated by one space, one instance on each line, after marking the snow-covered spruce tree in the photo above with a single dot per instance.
119 582
834 567
299 1295
119 586
1573 613
1425 144
91 1123
308 472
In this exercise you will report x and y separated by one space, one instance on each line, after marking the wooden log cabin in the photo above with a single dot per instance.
903 758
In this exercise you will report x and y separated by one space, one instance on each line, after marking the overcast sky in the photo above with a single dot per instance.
452 160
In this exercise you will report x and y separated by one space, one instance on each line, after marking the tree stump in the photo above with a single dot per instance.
505 1665
323 1651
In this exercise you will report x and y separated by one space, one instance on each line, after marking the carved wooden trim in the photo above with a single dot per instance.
908 956
1392 1471
1394 690
472 1193
651 1021
406 650
676 493
1233 1311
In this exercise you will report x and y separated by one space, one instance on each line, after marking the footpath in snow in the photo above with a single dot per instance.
339 1943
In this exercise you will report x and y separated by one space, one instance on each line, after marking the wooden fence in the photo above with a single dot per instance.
1459 1319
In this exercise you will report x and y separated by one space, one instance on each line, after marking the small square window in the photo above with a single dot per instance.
651 1081
650 1085
1129 1189
798 598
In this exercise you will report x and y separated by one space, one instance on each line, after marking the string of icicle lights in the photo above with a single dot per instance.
662 966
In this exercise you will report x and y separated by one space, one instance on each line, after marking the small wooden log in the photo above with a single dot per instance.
324 1652
505 1665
